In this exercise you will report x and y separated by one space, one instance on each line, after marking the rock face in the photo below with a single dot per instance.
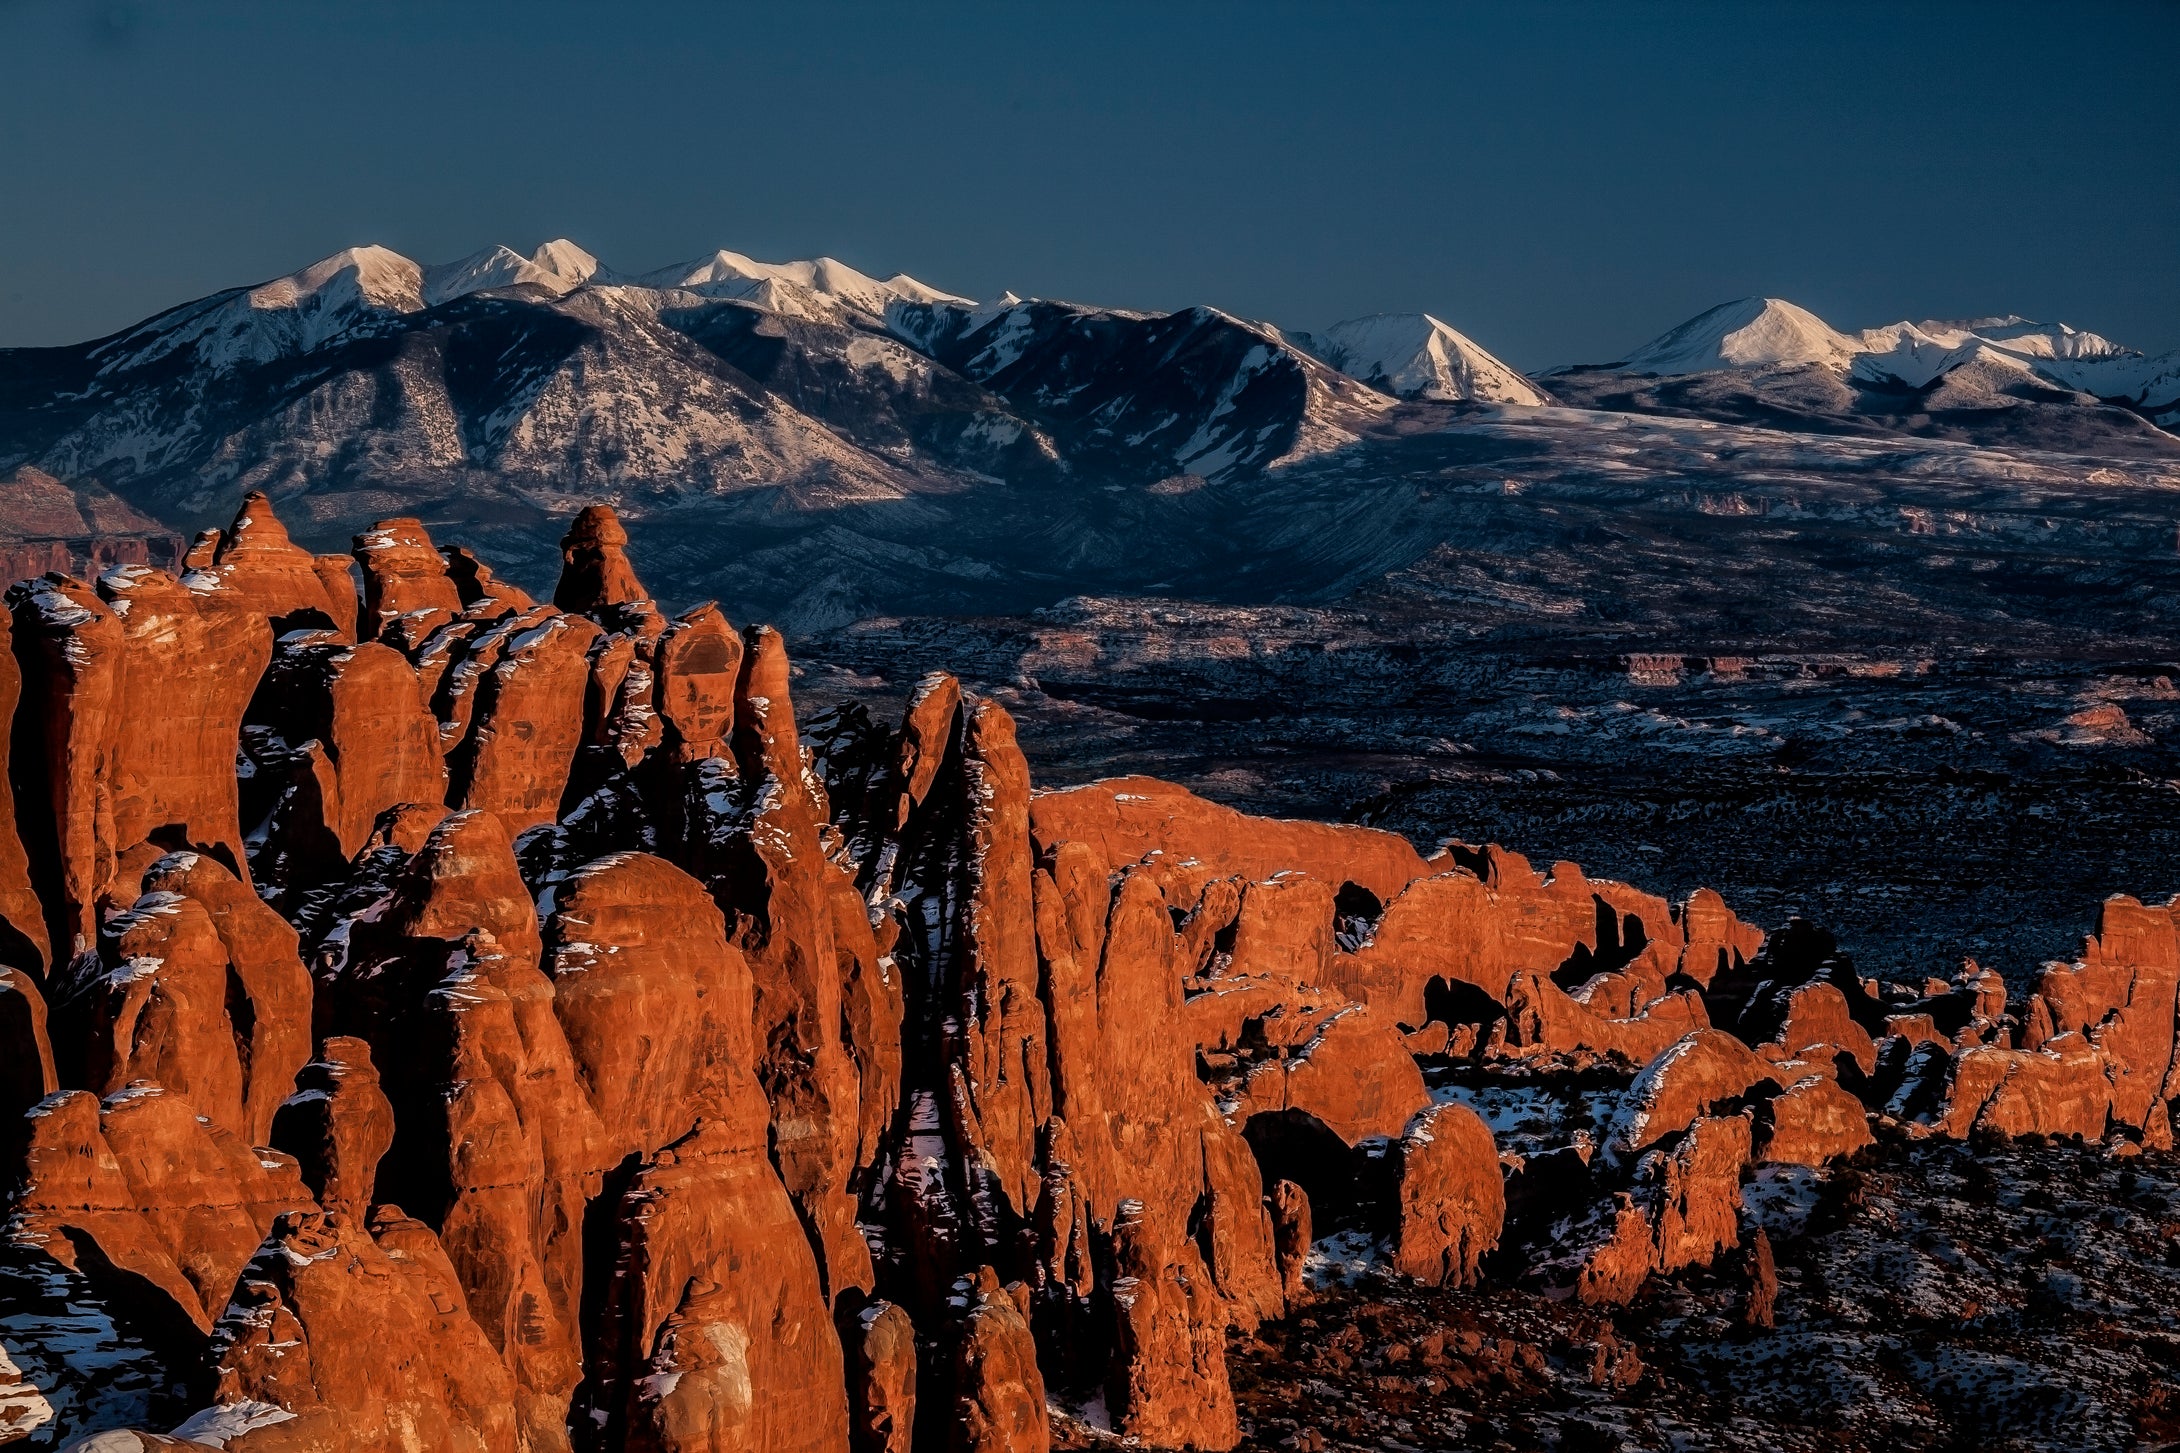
323 1286
464 1023
145 1185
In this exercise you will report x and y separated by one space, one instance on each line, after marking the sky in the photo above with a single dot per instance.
1559 181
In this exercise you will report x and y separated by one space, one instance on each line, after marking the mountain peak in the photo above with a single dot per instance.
726 274
559 267
1747 333
1417 356
373 275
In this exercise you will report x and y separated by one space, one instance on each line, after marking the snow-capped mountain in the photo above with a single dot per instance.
557 267
1201 388
1984 380
812 428
1746 333
818 288
501 387
1415 356
1996 353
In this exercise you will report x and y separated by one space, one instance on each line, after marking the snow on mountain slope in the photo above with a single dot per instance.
1746 333
775 284
738 396
357 287
1957 363
1415 356
1195 392
558 267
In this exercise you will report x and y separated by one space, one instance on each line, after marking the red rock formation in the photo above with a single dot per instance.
1292 1234
1713 938
716 1331
1696 1192
1490 921
134 723
527 721
1283 929
268 991
1353 1073
2122 992
653 999
279 578
1127 817
338 1125
2058 1089
363 1340
27 1073
927 732
369 743
1168 1385
1143 1128
771 872
1818 1026
159 1192
594 572
1812 1123
23 940
1696 1075
403 577
484 596
1452 1199
1003 1020
1615 1267
881 1361
639 1118
160 1015
999 1395
699 664
337 575
1542 1018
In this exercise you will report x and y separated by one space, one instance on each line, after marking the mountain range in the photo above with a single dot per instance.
951 452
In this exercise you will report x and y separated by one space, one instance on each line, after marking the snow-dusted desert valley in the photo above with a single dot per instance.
1844 663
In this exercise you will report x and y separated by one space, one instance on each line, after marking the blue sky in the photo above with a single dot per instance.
1559 181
